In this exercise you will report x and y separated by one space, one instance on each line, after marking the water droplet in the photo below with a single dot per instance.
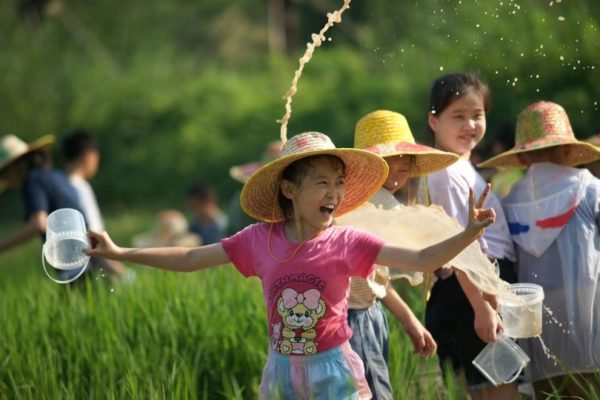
112 290
561 18
441 68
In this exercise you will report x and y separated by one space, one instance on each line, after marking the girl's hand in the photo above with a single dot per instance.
423 343
479 217
487 322
102 246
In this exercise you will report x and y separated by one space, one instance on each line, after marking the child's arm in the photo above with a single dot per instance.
487 322
434 256
423 342
181 259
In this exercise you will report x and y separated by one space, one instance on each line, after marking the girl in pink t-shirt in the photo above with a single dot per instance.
305 262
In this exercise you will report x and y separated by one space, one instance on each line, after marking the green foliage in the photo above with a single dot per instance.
178 91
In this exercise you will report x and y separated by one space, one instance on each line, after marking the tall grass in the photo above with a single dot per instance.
166 335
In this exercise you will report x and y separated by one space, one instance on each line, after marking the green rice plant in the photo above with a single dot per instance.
167 335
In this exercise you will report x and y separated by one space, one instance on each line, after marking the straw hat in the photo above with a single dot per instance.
241 173
365 173
13 149
539 126
386 133
595 140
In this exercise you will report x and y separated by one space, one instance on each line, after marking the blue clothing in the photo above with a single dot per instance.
211 232
370 340
48 190
336 373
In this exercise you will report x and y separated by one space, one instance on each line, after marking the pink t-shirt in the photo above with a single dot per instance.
307 296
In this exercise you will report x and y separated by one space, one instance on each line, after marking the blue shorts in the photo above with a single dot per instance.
370 340
336 373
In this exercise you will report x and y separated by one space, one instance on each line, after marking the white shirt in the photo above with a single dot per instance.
87 200
449 188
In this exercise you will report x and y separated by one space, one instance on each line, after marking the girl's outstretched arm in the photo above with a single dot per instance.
433 257
182 259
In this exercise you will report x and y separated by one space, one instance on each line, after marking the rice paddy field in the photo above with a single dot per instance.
166 335
163 336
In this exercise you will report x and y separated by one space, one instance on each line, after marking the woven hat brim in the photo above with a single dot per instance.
44 143
365 174
427 159
581 153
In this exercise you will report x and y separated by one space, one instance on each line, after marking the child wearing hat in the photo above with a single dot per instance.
305 261
594 167
387 134
460 317
554 217
44 189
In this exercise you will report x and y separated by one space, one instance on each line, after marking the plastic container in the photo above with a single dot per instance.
66 238
522 314
501 361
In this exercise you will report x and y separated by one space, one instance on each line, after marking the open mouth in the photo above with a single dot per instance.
328 209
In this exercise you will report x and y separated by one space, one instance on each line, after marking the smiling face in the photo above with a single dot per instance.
318 194
399 172
461 125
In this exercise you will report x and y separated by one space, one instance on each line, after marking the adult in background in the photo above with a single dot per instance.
44 188
82 159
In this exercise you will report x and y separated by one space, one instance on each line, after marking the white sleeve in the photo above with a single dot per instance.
450 190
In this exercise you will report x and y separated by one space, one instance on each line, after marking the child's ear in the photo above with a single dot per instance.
432 121
287 188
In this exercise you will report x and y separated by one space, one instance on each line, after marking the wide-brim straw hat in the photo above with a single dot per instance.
365 174
594 140
542 125
242 173
386 133
12 150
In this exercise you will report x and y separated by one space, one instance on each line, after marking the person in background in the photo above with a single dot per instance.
82 158
44 188
387 134
594 167
459 316
554 218
208 221
171 230
238 219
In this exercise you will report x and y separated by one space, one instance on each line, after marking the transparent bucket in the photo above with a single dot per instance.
66 238
501 361
522 314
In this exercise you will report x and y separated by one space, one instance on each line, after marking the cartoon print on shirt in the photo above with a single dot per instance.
300 313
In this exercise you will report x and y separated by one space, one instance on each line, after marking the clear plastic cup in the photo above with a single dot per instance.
522 314
66 238
501 361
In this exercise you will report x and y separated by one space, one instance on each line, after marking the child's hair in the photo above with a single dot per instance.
448 88
76 143
203 193
297 171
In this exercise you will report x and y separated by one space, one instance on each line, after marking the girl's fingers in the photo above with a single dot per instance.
483 196
471 203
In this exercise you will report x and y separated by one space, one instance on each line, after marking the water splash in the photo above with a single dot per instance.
316 41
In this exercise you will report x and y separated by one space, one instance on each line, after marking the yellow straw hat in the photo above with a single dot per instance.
13 149
541 125
365 174
386 133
